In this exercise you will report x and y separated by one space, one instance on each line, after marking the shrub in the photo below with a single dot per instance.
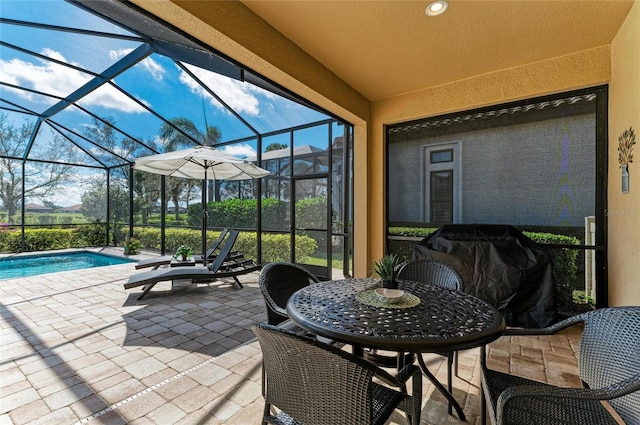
9 238
64 220
131 246
149 237
274 247
118 234
403 248
242 213
50 239
237 213
45 219
274 214
311 213
90 235
565 266
419 232
47 239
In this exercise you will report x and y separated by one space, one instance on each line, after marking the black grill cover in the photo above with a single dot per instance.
500 265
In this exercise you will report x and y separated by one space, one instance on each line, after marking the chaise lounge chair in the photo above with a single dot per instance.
165 260
226 264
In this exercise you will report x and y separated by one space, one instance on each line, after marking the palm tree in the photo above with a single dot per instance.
181 133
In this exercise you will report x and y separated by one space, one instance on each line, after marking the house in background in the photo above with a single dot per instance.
37 208
74 209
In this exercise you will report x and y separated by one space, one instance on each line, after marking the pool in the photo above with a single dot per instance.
31 265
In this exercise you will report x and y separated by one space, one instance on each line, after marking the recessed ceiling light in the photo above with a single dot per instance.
436 8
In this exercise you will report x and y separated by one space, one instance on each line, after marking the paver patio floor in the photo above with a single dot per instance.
77 348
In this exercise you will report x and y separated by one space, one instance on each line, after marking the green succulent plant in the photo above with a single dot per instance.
388 267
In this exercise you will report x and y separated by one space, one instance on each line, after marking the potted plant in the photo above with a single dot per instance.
388 268
131 246
184 252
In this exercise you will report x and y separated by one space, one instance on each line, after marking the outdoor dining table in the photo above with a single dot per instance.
428 319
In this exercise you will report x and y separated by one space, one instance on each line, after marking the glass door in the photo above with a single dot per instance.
311 225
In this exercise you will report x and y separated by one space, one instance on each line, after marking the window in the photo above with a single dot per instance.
441 156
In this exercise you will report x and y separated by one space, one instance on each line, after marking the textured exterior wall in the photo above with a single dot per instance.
624 208
538 173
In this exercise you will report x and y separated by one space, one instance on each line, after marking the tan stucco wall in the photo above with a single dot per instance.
624 209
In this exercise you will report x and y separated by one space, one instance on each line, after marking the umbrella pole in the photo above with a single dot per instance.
204 219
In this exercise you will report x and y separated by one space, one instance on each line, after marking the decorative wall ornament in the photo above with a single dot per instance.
626 141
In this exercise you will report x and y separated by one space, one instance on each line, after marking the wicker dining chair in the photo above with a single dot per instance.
608 364
278 281
439 274
313 383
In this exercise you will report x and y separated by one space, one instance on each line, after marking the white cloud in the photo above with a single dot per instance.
108 96
238 95
241 151
71 193
49 77
152 67
72 196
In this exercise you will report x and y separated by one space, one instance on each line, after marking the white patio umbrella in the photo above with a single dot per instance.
202 163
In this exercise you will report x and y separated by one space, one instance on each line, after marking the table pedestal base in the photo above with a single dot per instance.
452 401
399 361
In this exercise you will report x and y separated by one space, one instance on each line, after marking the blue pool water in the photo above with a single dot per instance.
30 265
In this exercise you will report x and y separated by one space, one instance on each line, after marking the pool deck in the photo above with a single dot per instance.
77 348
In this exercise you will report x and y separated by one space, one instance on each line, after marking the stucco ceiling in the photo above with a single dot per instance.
386 48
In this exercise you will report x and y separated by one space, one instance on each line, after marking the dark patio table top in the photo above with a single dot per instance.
444 320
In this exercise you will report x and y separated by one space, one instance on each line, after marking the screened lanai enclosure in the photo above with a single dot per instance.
87 87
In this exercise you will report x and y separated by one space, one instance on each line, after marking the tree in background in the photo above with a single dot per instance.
42 179
182 133
146 187
276 146
94 201
52 205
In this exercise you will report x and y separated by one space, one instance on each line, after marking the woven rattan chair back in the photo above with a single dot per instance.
608 364
278 281
610 352
433 272
318 384
443 275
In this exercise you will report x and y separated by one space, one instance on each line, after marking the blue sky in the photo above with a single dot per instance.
156 82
